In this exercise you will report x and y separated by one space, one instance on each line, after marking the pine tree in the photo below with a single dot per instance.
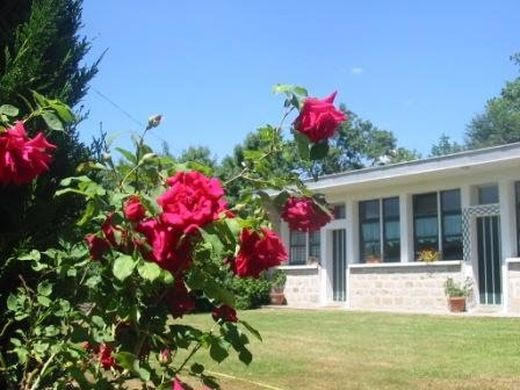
41 50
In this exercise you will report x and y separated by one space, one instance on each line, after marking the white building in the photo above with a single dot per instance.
466 206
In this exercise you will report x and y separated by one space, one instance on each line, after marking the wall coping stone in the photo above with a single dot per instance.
298 267
406 265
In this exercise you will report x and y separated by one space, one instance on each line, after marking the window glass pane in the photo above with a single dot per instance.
314 244
391 230
369 230
517 196
391 208
451 225
488 194
426 228
450 200
425 204
298 247
339 211
369 210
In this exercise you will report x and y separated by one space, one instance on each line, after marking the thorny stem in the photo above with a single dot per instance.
194 350
267 154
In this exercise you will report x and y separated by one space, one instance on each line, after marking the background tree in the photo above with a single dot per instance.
445 146
200 154
358 144
41 50
500 122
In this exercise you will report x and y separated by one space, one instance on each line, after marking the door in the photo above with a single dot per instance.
489 260
339 264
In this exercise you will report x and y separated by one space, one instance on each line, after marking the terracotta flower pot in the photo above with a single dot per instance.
457 304
277 298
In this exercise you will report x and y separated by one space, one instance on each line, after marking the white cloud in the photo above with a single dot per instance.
357 70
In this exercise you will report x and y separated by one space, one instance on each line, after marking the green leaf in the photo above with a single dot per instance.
33 255
319 151
63 111
245 356
302 143
52 120
197 368
218 350
44 301
218 292
149 271
130 157
12 302
251 330
7 109
123 267
126 360
45 288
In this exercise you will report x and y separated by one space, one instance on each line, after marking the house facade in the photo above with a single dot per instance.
464 207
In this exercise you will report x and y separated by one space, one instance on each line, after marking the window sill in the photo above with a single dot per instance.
411 264
297 267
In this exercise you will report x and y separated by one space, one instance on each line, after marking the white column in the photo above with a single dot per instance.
507 218
352 232
326 266
406 227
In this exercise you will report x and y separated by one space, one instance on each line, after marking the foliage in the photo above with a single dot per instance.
428 255
445 146
198 154
41 50
250 293
453 289
357 144
278 279
500 122
102 311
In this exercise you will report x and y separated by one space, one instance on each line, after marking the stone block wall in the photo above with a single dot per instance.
513 286
403 287
303 286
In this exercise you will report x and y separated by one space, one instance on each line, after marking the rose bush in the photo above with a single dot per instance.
304 214
153 236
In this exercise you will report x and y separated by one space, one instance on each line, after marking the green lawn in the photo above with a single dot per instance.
306 349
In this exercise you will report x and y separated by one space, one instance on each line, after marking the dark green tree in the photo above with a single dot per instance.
41 49
199 154
500 122
445 146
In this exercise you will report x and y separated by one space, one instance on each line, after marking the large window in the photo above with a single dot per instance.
438 223
304 247
379 230
517 207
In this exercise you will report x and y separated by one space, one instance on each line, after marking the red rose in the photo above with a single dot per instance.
22 158
133 209
116 235
304 215
89 347
97 246
258 252
225 313
192 201
179 300
170 249
177 384
105 357
319 119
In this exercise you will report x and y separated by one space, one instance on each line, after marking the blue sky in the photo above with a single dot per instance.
418 68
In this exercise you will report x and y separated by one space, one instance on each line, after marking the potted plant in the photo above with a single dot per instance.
457 294
373 256
428 255
278 279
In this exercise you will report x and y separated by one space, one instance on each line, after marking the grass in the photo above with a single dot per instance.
305 349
